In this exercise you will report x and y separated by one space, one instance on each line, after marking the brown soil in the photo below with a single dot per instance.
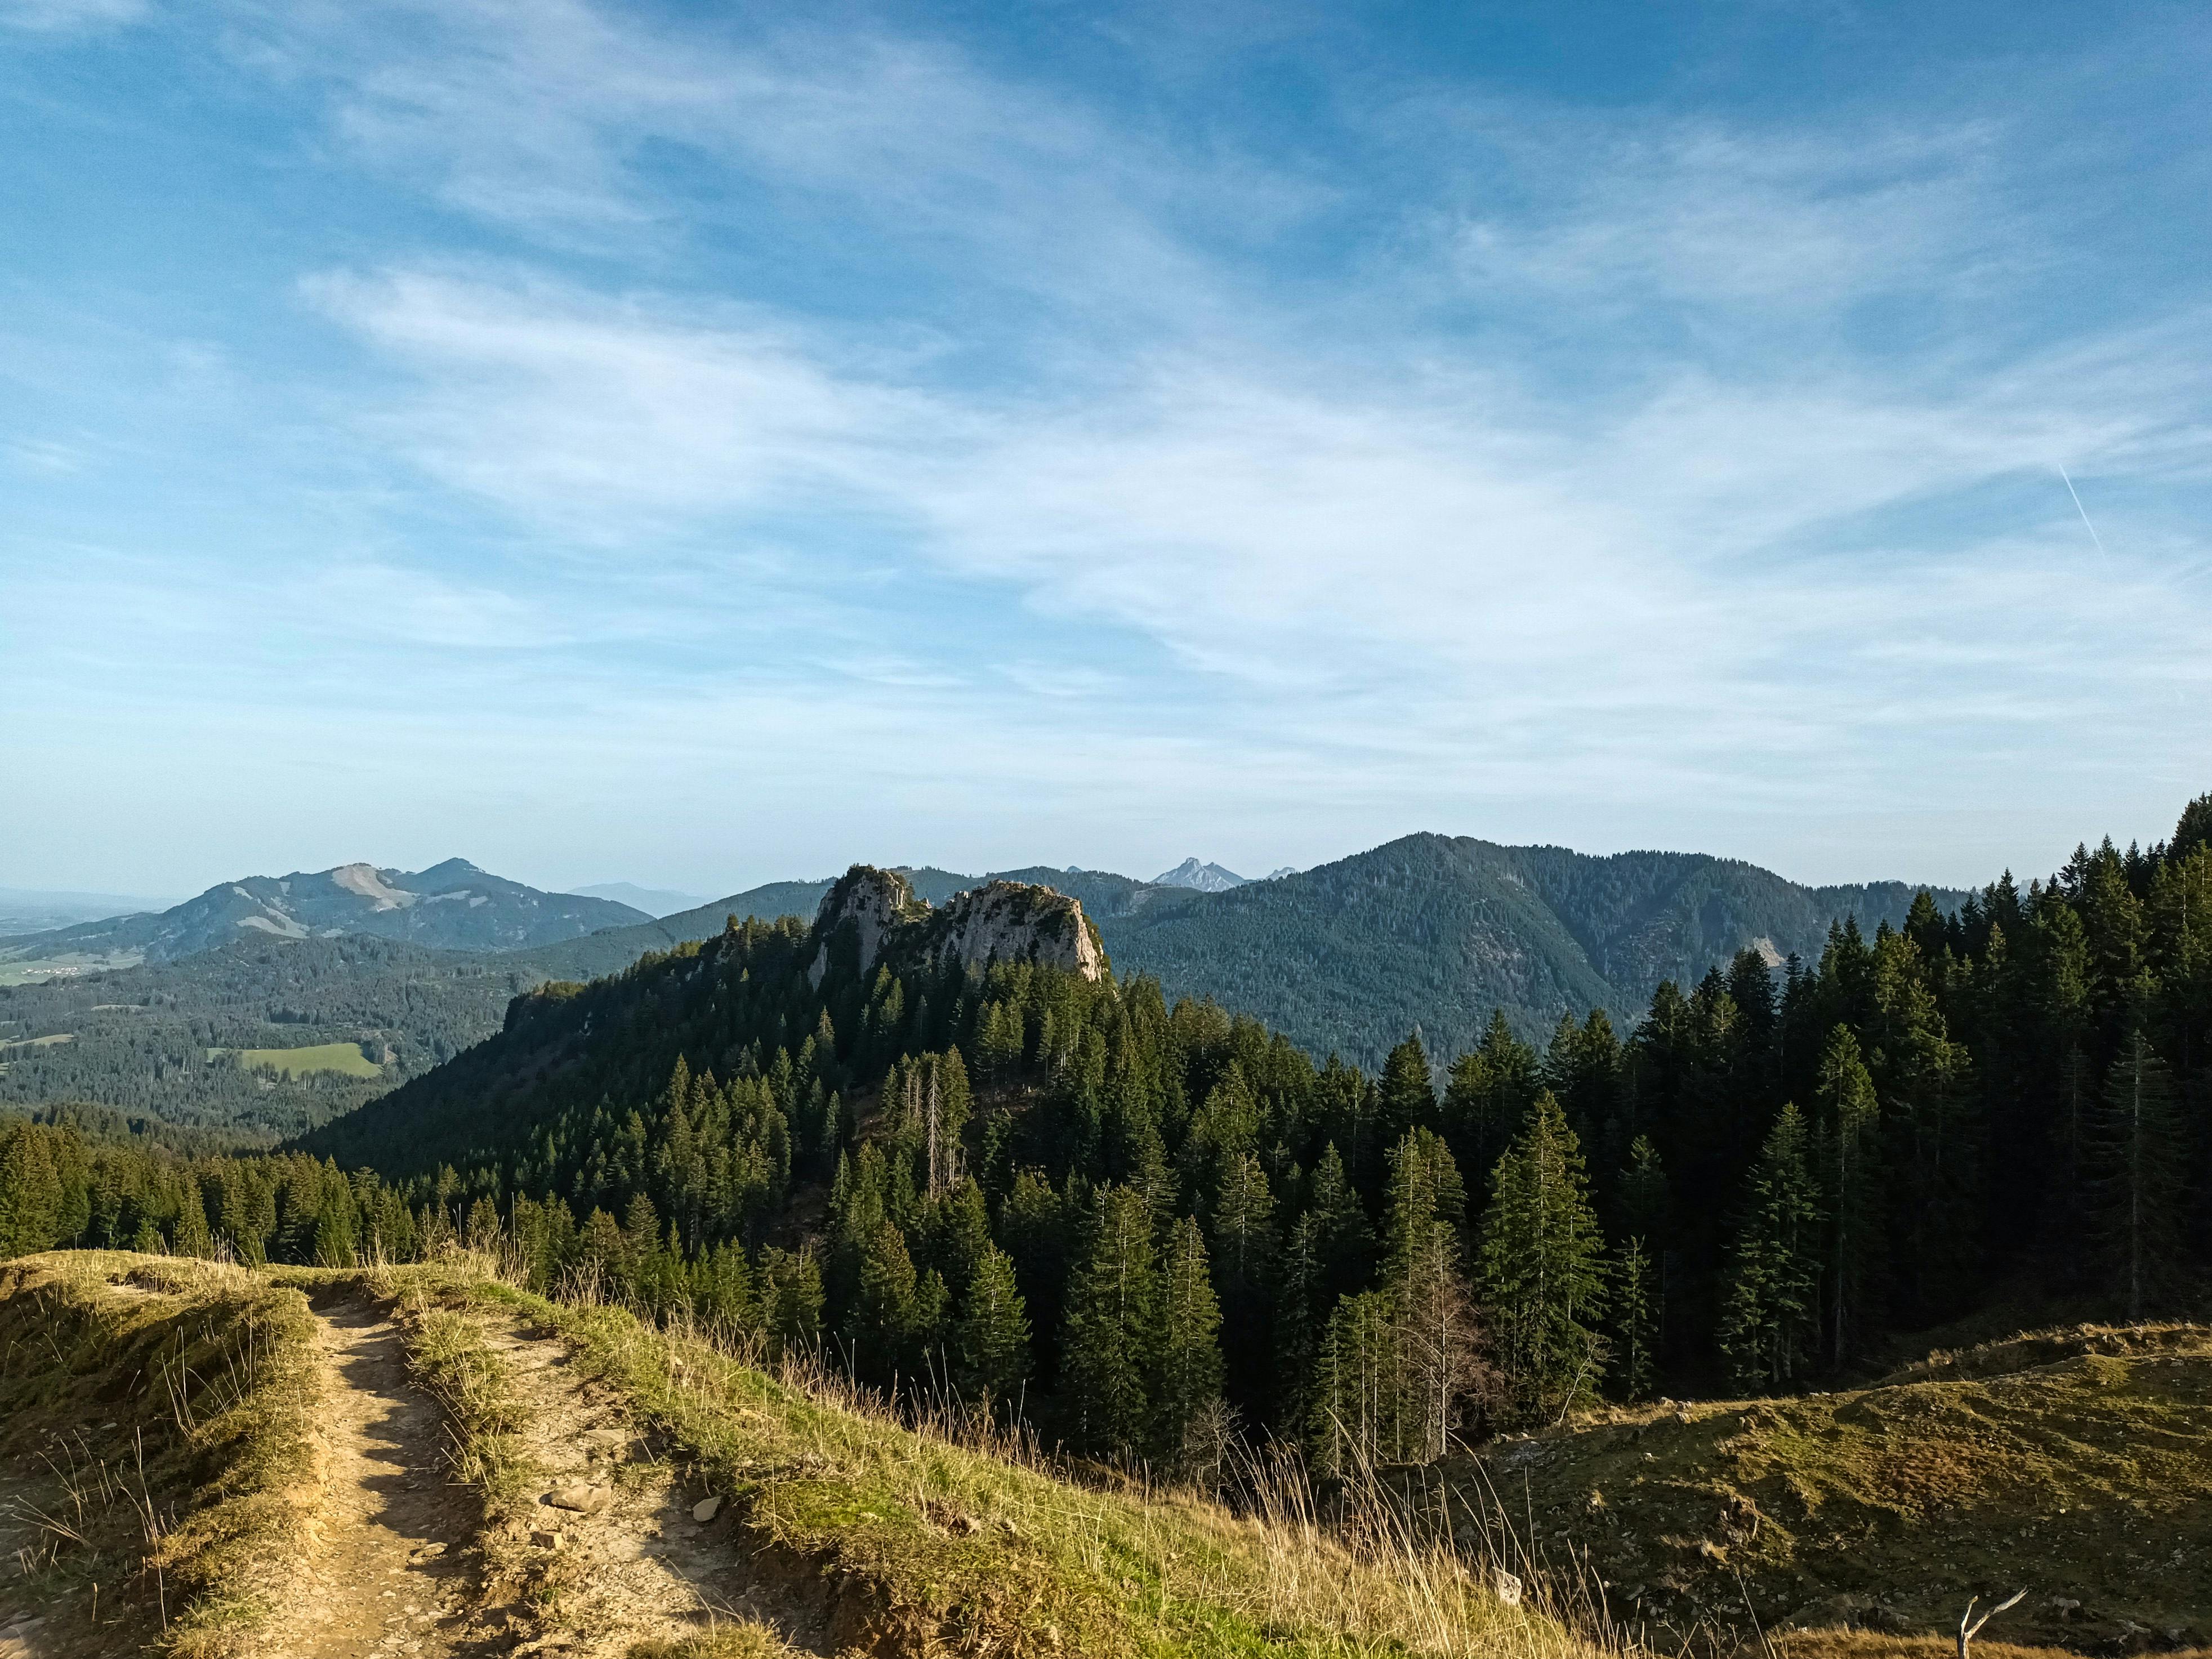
392 1572
642 1569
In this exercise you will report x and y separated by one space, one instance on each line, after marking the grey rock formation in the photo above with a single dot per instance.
998 922
1015 921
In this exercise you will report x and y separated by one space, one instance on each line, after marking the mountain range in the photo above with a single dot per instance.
452 906
28 910
1428 931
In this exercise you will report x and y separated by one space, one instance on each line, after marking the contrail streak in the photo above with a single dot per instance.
2084 511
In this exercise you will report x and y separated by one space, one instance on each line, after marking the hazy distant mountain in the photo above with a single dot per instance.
1199 878
653 901
1277 875
450 906
30 910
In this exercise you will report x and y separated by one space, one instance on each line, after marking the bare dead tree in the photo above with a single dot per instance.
1968 1632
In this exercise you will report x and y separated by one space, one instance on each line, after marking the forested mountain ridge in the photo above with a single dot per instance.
450 906
1438 932
1429 930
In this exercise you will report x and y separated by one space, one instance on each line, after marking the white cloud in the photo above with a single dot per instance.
1692 211
419 607
1422 574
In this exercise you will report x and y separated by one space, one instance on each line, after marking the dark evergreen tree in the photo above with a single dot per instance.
2136 1177
1770 1326
1542 1272
1849 1161
1113 1341
991 1343
1187 1379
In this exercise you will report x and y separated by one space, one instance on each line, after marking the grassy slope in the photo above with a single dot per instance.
2077 1464
159 1414
916 1542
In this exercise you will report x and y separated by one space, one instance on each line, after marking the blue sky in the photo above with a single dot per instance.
700 445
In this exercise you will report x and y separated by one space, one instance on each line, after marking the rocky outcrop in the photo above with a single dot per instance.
874 903
1000 921
1014 921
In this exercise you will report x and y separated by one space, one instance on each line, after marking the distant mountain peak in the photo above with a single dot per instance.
1199 878
450 906
451 869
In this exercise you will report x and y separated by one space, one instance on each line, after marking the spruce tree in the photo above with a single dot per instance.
885 1320
2135 1167
1491 1093
1635 1322
1358 1389
30 1191
1304 1302
1770 1323
1849 1126
1433 1311
1033 1230
192 1235
1342 1236
1187 1379
1407 1094
791 1301
1112 1345
1541 1270
991 1343
1244 1253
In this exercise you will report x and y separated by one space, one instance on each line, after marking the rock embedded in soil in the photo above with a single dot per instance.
705 1509
583 1500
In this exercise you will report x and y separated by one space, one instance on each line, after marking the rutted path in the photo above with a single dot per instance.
392 1572
635 1563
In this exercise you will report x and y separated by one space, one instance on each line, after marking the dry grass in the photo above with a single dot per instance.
2076 1462
949 1534
738 1641
163 1413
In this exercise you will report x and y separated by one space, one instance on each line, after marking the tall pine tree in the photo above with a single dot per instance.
1769 1321
1541 1272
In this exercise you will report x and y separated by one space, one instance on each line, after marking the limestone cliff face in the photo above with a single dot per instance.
1013 922
875 902
999 921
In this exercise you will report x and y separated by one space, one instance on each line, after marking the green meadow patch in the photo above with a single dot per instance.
344 1058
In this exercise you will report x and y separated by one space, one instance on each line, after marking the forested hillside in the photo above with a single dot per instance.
166 1041
1439 931
1151 1223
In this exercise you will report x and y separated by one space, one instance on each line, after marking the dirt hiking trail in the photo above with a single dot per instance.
390 1574
605 1552
634 1562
